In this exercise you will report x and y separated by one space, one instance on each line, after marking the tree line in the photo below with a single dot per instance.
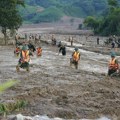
109 23
9 16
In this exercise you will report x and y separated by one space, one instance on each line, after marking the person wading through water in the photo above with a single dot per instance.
31 46
113 65
39 51
63 50
53 40
17 51
24 59
98 40
75 58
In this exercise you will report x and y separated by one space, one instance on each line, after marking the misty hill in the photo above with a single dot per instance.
37 11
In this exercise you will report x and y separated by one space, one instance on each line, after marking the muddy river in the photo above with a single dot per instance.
55 89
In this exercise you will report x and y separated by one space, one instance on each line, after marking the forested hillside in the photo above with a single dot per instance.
36 11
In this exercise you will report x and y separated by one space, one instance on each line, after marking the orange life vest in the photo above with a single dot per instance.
17 50
25 56
39 51
76 56
113 64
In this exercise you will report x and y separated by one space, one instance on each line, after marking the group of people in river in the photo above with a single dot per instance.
26 49
113 41
62 49
25 52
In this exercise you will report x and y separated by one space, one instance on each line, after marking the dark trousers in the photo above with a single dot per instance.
111 71
74 62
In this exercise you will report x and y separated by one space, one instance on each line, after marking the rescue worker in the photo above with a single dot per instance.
26 36
17 43
31 47
71 40
39 51
53 40
59 44
63 50
113 65
113 44
75 58
98 40
17 51
36 38
24 59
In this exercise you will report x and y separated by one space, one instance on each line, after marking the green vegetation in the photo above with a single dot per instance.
7 85
92 22
9 17
110 23
50 14
7 108
105 14
52 10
